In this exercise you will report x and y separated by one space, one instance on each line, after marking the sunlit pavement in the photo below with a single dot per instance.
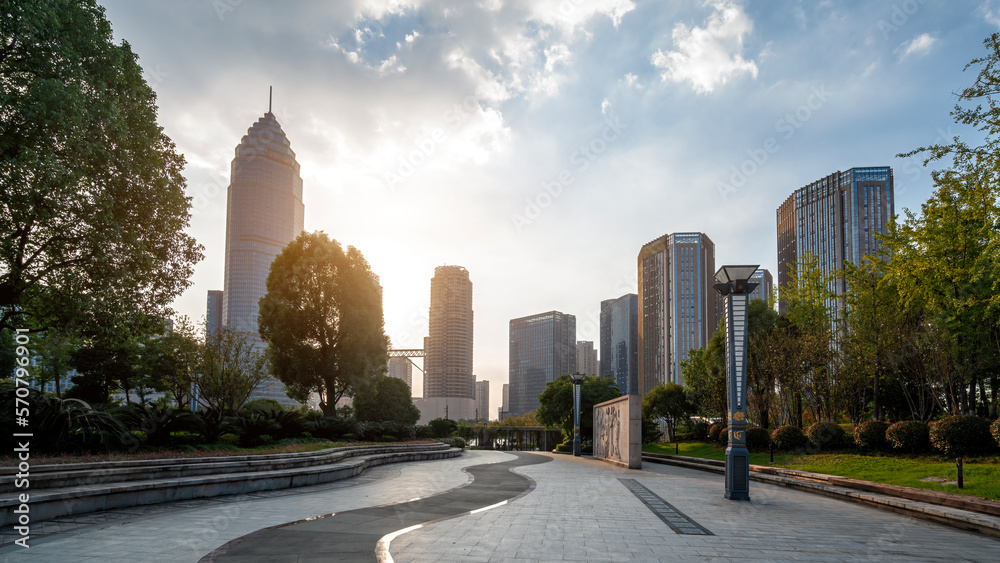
578 510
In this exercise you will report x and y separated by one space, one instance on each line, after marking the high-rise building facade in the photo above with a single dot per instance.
505 401
213 316
836 218
542 348
483 400
402 368
586 358
620 342
449 384
677 302
765 284
264 212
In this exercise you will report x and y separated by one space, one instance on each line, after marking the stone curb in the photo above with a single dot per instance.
54 503
940 507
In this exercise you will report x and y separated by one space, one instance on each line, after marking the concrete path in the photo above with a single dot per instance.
579 510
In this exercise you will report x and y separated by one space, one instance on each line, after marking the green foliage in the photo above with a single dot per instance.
322 320
789 438
714 430
669 403
158 422
453 442
230 368
388 438
62 425
704 373
871 435
443 427
385 399
910 436
650 431
826 435
961 435
556 403
758 439
995 430
261 406
92 200
229 438
253 427
723 437
424 431
290 424
699 430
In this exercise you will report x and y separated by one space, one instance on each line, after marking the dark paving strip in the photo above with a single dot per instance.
353 535
677 520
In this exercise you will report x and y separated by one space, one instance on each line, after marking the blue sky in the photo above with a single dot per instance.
540 144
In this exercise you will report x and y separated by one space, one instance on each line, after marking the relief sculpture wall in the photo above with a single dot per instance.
617 431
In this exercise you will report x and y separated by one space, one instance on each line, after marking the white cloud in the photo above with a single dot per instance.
631 81
988 14
919 46
605 106
570 14
708 56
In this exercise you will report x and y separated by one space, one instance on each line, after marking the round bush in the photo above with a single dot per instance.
724 436
826 435
713 431
871 435
995 430
788 438
758 439
909 436
961 435
699 430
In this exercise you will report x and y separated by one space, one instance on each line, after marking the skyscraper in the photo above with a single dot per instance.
542 348
836 218
401 368
213 318
483 400
765 283
586 358
620 341
449 383
264 213
679 310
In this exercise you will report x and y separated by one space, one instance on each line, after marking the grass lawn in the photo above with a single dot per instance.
982 475
212 450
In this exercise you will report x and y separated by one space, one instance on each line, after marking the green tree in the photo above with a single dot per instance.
53 350
763 339
669 403
322 320
173 361
230 368
8 354
386 399
92 202
104 366
556 403
704 374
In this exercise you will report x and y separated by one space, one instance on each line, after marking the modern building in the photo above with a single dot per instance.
586 358
402 368
542 348
213 317
836 218
620 341
448 346
482 400
677 302
504 408
765 284
264 213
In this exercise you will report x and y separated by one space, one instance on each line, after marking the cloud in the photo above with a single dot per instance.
631 80
570 14
988 14
707 57
919 46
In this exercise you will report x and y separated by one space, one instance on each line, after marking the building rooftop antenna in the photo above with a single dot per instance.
270 89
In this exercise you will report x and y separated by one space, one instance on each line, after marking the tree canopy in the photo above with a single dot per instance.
556 403
92 202
322 320
386 399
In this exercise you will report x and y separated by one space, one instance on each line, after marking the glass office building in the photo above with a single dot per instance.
620 341
448 346
542 348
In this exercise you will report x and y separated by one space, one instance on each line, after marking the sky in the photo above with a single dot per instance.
540 144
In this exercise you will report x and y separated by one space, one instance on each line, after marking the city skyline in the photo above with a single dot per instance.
640 118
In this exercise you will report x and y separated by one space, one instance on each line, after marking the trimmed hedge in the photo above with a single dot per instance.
961 435
871 435
457 442
909 435
788 438
758 439
826 435
714 430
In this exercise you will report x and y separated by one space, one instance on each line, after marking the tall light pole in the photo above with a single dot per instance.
733 283
577 382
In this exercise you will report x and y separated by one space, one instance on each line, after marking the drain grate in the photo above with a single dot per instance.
677 520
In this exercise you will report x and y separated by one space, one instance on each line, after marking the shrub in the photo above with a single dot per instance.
332 427
723 436
229 439
460 442
253 427
443 427
184 438
424 431
699 430
349 436
261 406
158 422
909 435
388 438
758 439
290 423
826 435
714 430
995 430
788 438
961 435
565 447
871 435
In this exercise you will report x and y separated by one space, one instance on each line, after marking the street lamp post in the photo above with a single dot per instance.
577 381
733 283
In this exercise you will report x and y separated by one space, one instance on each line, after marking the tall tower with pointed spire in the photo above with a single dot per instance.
264 213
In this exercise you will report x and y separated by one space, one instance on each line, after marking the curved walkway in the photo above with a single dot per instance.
354 535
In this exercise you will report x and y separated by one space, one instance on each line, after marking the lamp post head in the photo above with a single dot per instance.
577 378
735 279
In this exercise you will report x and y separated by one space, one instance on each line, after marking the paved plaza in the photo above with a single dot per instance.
573 509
